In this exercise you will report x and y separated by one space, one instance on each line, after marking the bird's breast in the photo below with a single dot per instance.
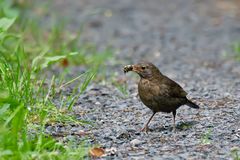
146 93
153 97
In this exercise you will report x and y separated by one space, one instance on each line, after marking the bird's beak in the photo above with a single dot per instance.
135 68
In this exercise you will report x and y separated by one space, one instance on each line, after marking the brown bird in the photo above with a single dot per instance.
158 92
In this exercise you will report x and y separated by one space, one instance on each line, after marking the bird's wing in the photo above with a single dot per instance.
169 88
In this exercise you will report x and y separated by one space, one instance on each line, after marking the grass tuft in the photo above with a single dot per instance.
28 95
235 153
236 50
206 138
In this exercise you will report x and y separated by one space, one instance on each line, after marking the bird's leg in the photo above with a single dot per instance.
174 125
145 128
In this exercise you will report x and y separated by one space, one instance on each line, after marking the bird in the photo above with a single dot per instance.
158 92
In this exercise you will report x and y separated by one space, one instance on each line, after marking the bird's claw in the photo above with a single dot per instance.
145 129
174 129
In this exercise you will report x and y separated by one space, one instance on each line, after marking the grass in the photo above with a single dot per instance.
206 137
122 88
27 95
120 84
236 50
235 153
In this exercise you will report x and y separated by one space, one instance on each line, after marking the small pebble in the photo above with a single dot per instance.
135 142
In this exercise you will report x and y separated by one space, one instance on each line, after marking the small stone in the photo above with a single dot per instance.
111 151
138 153
123 135
97 103
136 142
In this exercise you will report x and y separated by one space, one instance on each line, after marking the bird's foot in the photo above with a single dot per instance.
145 129
174 129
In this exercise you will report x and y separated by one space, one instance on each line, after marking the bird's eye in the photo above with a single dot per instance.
143 67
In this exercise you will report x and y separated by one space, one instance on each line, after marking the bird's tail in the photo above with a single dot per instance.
191 104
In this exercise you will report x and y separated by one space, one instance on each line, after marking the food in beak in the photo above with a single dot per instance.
127 68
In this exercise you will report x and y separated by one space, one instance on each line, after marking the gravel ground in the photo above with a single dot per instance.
187 40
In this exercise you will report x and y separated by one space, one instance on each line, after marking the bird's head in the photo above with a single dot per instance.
144 69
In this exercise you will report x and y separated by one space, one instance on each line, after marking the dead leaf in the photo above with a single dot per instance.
96 152
65 62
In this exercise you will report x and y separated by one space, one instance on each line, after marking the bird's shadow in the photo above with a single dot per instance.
181 126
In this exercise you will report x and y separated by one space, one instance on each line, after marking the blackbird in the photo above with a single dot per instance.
158 92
